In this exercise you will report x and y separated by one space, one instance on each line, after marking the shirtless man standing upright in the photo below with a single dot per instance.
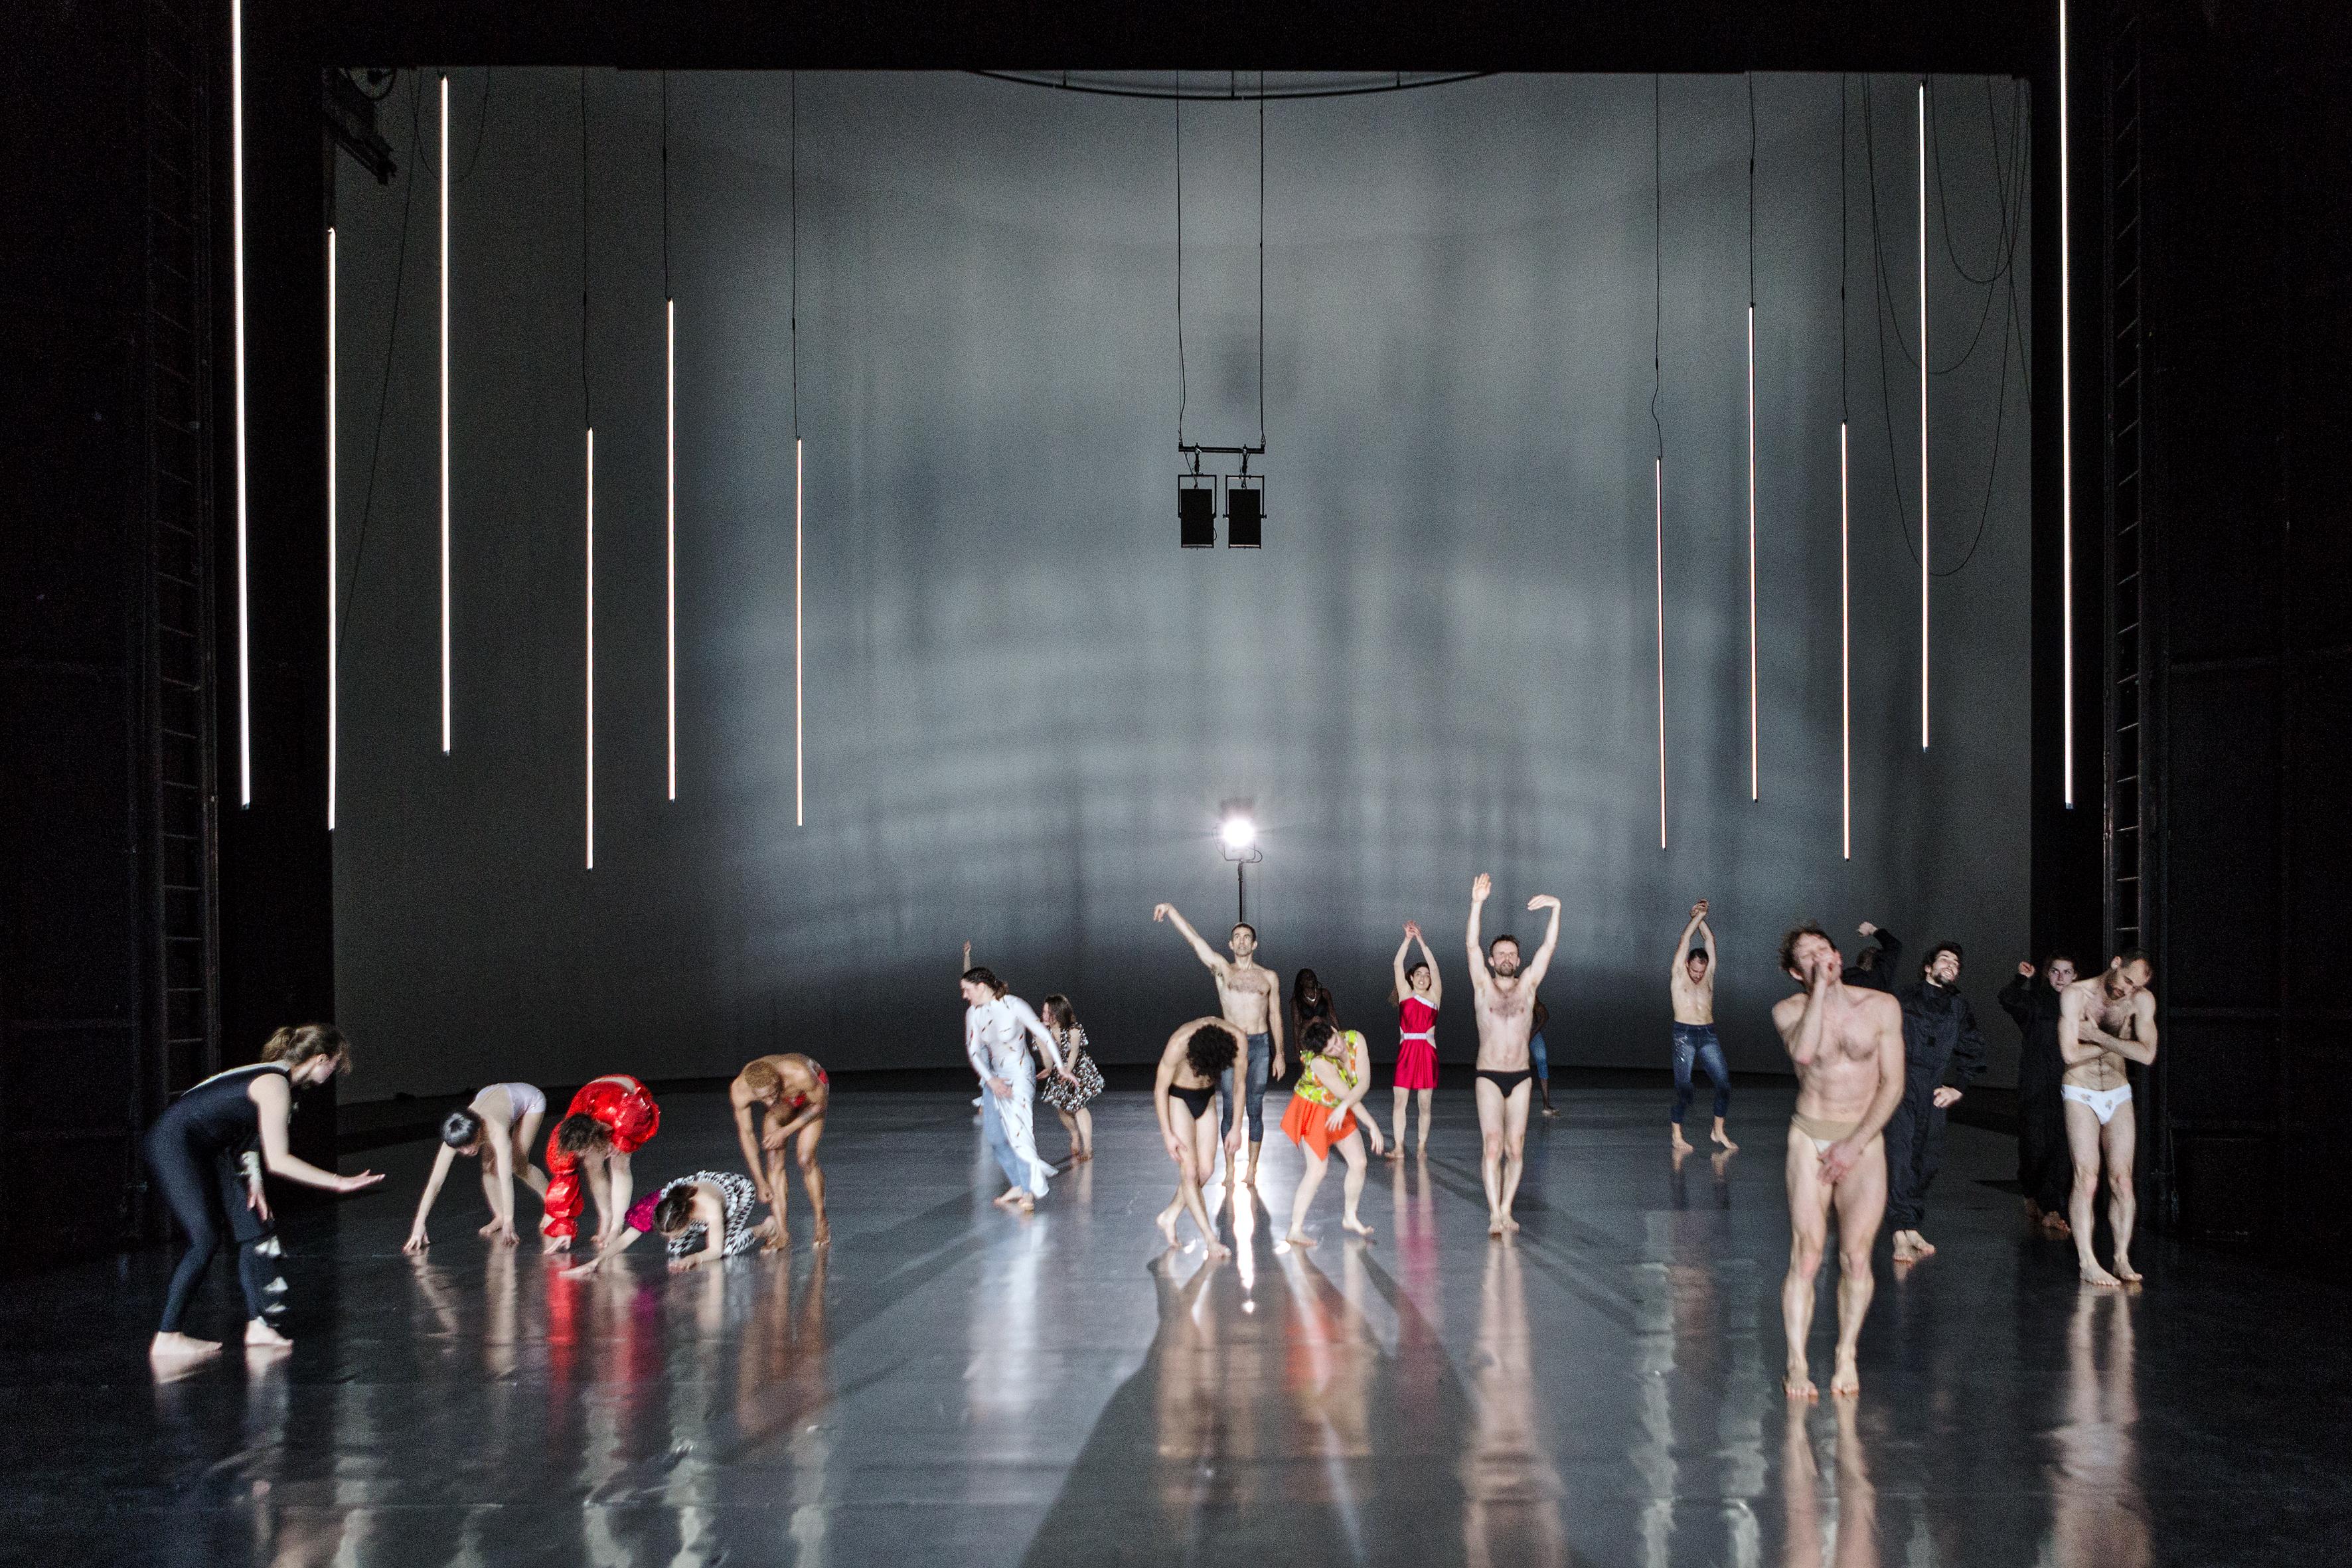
1847 1044
1505 998
2103 1023
1692 984
787 1095
1249 995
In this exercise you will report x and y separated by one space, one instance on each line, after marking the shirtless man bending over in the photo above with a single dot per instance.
1847 1044
788 1094
1196 1056
1505 997
2103 1022
1250 997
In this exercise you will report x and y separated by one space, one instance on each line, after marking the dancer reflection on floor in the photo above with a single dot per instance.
787 1095
497 1127
1416 993
2103 1023
1853 1510
194 1149
1847 1045
1503 996
1335 1069
608 1120
1197 1056
996 1032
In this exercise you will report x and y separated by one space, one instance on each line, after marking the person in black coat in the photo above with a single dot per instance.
1942 1053
1873 967
2044 1168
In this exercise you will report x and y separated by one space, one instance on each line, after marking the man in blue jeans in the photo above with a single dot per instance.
1249 996
1691 980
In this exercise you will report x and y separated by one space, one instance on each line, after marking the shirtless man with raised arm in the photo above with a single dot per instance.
787 1095
2103 1023
1847 1044
1503 996
1691 982
1197 1056
1250 997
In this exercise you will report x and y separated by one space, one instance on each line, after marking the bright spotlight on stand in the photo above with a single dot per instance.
1240 833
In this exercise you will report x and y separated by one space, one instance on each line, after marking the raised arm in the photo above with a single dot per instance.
1800 1020
1396 966
273 1099
1480 886
1683 943
1436 976
2017 997
1542 964
418 1241
1184 928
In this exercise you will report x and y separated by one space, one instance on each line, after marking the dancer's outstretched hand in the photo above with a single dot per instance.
1543 901
1480 886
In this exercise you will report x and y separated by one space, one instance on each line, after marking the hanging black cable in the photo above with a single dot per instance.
383 392
1178 99
1657 264
795 317
1844 411
1751 191
1261 258
587 405
664 182
481 126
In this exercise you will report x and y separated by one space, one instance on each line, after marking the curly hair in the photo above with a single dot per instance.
1789 942
1211 1049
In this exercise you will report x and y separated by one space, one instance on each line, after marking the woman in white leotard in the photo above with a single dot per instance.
497 1128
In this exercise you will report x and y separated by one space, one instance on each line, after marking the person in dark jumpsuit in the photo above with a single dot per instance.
1873 967
196 1150
1942 1054
2044 1168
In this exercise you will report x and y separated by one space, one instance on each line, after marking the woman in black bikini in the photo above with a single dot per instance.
1196 1053
195 1149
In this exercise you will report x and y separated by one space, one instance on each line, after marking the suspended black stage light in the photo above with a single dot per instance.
1246 512
1196 510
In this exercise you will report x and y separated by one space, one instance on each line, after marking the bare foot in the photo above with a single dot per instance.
1509 1223
1681 1146
1299 1238
1357 1227
1166 1221
259 1335
1797 1382
1396 1153
1495 1227
176 1349
1010 1196
1904 1251
1921 1246
2055 1225
2124 1271
778 1241
1547 1110
1219 1252
2094 1275
1845 1381
1026 1204
1728 1146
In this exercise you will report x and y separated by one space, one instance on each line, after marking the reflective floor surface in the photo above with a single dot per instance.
955 1384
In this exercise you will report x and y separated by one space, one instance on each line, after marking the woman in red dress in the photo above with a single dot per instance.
609 1120
1417 993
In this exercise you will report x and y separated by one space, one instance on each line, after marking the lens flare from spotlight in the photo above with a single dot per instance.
1239 833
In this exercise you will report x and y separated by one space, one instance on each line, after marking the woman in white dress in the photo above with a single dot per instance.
996 1032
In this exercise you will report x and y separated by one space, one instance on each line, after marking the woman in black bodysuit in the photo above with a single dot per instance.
195 1149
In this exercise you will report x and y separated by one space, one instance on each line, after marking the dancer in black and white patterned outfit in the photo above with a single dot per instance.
1069 1097
702 1219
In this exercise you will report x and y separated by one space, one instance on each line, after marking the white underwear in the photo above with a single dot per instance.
2103 1102
522 1099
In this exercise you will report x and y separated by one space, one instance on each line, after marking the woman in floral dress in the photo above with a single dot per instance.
1069 1097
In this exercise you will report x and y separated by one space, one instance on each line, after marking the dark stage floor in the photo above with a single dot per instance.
955 1385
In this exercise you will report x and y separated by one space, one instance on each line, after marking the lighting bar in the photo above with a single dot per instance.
331 569
1754 779
669 516
1658 501
445 414
237 233
591 647
2065 431
1846 660
1923 413
800 802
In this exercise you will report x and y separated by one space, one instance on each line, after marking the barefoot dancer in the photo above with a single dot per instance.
790 1092
608 1120
1417 994
1334 1071
996 1032
1939 1041
1692 982
1847 1044
1070 1096
497 1128
1249 995
2103 1023
1503 996
1197 1056
704 1218
195 1148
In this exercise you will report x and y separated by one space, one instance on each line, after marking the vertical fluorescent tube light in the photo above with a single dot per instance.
800 814
1754 790
591 647
1658 558
2065 432
669 520
1923 413
331 569
237 231
445 414
1845 661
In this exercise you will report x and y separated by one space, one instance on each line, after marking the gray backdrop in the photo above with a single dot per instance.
1023 703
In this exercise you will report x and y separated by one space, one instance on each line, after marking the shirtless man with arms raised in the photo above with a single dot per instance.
787 1095
2103 1023
1196 1056
1504 995
1691 982
1250 997
1847 1044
